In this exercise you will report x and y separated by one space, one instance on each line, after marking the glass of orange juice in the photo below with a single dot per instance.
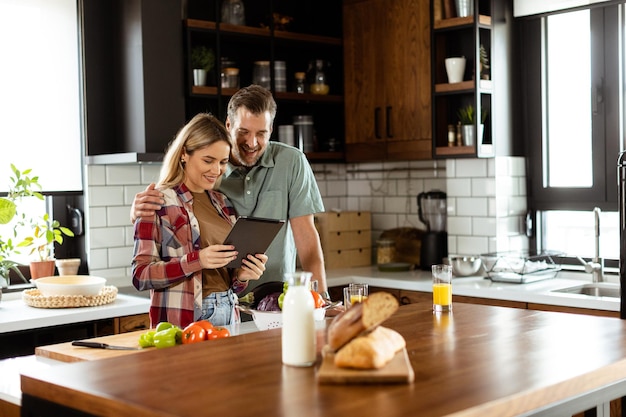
352 295
442 287
364 287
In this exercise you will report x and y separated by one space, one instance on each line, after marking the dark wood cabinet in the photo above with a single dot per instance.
313 32
387 80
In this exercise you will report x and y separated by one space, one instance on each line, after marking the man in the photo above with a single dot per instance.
266 179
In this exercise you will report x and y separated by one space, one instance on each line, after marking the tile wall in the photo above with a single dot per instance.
486 203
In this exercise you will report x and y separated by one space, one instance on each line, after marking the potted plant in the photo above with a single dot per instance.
467 119
202 62
21 185
45 230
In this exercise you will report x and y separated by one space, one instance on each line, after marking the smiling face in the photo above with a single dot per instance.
205 166
250 134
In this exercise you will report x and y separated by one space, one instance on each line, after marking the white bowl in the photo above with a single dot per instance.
70 285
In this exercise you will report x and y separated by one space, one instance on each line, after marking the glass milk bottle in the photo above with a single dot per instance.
298 332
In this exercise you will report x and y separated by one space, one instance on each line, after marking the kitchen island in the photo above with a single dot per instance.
478 361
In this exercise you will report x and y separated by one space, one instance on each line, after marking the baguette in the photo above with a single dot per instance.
361 317
371 351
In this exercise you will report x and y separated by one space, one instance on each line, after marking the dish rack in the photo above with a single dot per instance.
520 267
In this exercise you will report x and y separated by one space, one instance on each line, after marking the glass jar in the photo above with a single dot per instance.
299 84
230 78
233 12
316 74
386 251
261 74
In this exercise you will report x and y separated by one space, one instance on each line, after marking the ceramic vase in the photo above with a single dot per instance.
455 68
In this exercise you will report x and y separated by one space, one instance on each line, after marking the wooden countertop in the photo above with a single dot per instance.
480 361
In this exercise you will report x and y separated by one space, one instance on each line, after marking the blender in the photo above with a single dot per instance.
432 209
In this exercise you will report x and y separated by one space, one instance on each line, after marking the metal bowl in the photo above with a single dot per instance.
465 265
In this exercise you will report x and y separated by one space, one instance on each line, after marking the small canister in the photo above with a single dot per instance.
230 78
261 74
386 251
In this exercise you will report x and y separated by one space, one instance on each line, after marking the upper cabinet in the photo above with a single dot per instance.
387 80
276 40
472 91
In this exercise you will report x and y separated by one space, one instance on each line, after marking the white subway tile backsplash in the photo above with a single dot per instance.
484 226
95 175
130 191
478 208
150 173
459 187
335 188
460 226
97 259
105 196
106 237
484 187
473 206
118 216
123 174
97 217
120 257
397 205
473 168
472 245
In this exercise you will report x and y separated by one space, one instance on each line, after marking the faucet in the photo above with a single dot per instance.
596 266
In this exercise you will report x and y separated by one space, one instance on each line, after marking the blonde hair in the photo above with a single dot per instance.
201 131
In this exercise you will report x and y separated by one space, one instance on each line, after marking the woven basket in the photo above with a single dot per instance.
34 298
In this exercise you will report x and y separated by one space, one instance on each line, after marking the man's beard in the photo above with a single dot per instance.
239 159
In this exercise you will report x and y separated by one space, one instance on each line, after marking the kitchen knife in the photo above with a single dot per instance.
99 345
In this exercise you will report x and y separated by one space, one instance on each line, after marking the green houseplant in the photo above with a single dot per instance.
21 185
202 62
467 118
45 230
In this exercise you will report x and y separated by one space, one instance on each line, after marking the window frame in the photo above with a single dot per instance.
606 124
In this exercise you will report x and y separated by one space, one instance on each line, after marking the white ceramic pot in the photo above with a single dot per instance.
455 68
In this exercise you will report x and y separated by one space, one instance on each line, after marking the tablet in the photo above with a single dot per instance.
251 235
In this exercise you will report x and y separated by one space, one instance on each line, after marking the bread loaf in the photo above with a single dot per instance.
371 351
361 317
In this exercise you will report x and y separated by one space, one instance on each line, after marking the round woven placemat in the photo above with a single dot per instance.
35 298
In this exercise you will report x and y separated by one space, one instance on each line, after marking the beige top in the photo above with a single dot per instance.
213 230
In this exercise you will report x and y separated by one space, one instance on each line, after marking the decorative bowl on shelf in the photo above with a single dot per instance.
70 285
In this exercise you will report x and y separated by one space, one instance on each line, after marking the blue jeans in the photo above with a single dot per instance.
219 308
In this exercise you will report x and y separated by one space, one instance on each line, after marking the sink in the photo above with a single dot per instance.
598 289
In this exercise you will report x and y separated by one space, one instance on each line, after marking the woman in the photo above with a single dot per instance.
178 253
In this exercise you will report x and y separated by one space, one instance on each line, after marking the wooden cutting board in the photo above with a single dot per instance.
398 370
65 352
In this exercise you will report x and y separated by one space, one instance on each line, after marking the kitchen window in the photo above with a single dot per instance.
41 108
573 112
40 103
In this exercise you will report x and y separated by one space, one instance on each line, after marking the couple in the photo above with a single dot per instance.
178 253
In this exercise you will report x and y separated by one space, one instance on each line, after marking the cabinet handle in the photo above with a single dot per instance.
376 123
389 128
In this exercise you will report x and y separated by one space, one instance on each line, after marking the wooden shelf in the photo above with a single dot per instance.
485 85
455 150
265 32
287 96
456 22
